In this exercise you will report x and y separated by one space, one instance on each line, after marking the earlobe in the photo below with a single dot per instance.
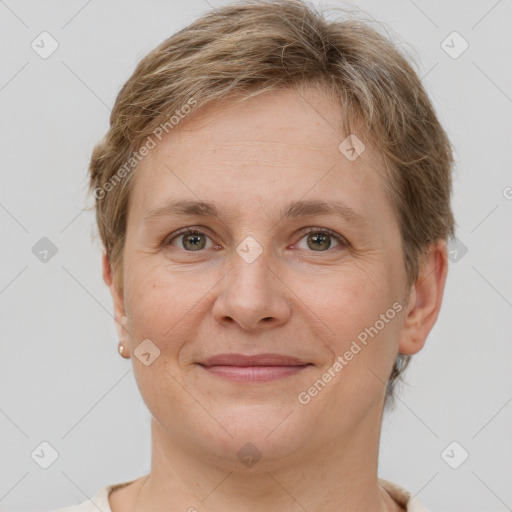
118 300
122 345
425 299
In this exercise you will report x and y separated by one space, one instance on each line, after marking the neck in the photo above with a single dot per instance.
337 476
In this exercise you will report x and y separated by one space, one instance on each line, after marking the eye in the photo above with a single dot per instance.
191 240
320 240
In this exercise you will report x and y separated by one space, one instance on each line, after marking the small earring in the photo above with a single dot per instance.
120 348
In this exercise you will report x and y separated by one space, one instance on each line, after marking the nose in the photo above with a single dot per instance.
252 296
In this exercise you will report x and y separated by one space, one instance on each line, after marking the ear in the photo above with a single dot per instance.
425 299
117 297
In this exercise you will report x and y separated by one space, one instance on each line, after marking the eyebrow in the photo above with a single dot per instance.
296 209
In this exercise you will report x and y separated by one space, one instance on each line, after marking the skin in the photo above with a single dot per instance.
252 159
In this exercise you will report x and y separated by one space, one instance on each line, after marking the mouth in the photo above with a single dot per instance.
254 368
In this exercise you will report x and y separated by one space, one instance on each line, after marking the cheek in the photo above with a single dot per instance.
362 311
354 295
152 303
163 305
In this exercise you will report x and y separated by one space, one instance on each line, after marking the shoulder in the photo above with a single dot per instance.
99 501
403 497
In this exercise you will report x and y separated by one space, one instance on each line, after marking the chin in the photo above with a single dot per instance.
260 431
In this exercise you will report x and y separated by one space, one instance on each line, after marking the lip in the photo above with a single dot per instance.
253 368
252 360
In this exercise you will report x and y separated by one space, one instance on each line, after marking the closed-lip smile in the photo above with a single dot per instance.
253 368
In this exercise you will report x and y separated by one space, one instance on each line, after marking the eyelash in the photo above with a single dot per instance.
320 231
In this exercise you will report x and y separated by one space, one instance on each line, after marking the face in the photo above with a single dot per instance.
314 299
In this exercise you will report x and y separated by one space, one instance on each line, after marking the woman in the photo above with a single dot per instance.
273 196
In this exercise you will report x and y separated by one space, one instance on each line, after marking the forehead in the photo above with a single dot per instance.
274 147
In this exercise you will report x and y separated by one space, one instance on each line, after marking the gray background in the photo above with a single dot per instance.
61 379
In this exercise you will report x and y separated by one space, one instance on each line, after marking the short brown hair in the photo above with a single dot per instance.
254 46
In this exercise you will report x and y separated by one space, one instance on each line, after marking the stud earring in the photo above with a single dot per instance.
120 348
